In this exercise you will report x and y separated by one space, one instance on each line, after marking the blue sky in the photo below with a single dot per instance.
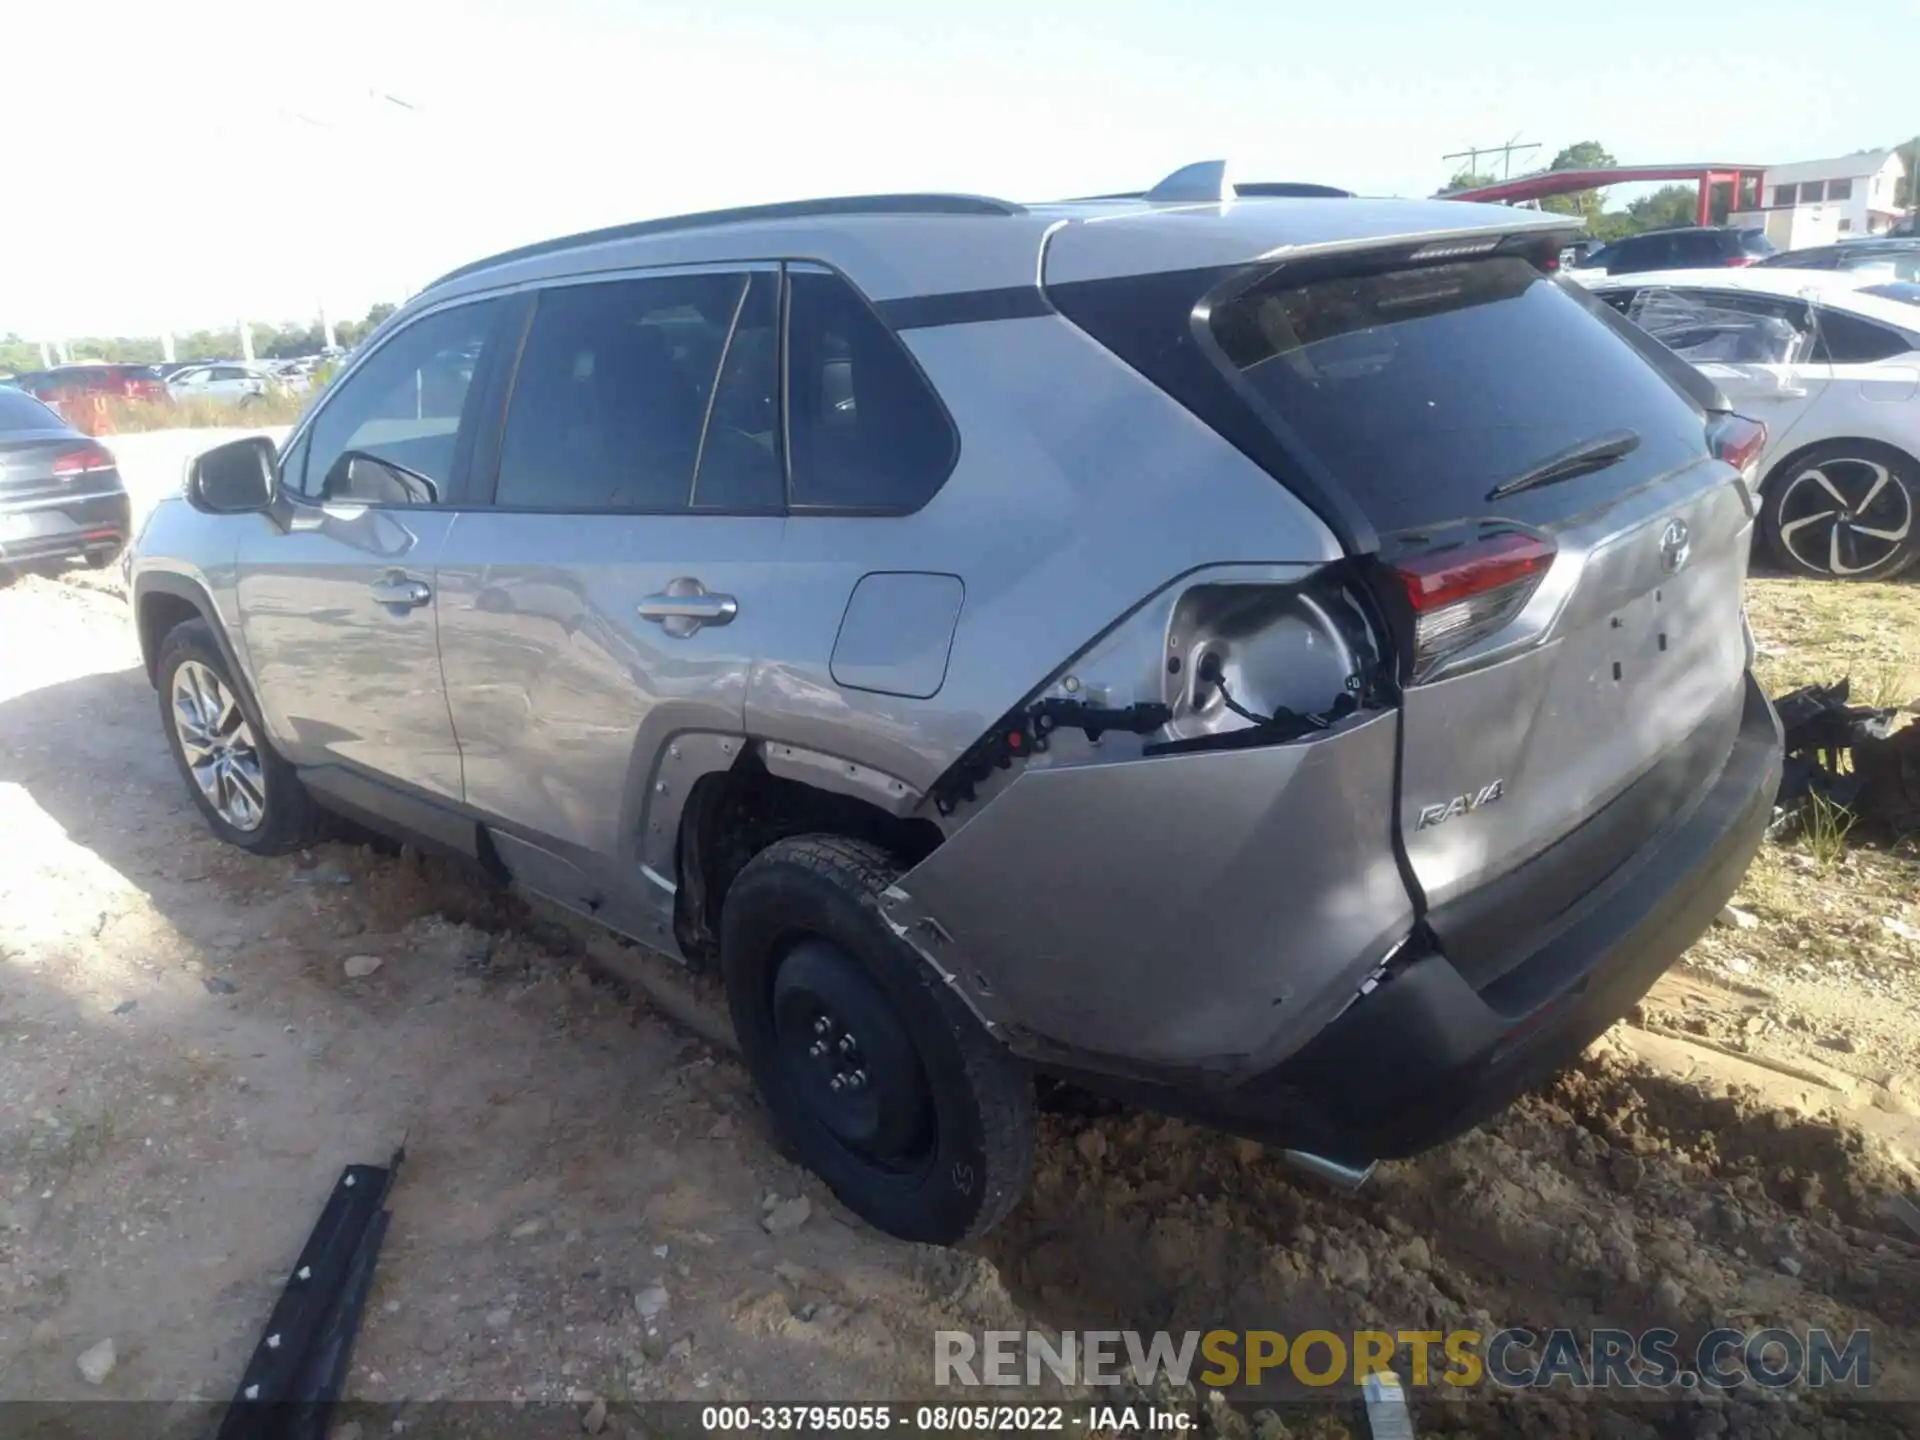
188 162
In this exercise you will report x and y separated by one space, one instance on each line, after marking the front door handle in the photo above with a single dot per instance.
685 605
398 590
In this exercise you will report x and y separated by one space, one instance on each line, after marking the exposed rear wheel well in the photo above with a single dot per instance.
161 613
732 815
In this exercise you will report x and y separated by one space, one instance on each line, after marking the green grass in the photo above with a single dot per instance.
1823 829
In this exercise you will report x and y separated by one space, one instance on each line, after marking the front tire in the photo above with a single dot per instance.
247 794
879 1077
1843 510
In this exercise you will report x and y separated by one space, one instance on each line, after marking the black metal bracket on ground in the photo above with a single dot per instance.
1853 756
296 1372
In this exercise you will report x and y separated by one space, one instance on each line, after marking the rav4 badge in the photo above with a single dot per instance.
1431 815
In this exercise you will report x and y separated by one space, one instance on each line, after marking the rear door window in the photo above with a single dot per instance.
1699 247
866 431
1727 327
613 392
1422 390
1645 252
740 467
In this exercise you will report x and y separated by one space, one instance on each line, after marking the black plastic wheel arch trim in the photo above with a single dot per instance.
297 1369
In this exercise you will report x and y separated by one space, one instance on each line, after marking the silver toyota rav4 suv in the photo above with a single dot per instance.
1272 656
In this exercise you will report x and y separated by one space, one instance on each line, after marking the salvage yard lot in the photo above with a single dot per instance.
188 1060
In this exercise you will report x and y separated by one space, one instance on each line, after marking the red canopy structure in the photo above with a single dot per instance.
1565 182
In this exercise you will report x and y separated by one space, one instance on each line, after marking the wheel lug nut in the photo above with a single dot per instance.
846 1044
822 1025
817 1049
835 1083
857 1079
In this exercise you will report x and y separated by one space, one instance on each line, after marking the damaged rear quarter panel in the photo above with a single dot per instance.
1209 909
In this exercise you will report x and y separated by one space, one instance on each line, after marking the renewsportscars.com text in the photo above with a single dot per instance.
1510 1359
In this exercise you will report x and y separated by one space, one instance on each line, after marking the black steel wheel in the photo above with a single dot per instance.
883 1082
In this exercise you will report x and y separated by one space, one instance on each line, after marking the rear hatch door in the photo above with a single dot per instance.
1485 425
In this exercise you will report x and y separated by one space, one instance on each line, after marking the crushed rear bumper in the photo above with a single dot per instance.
1425 1056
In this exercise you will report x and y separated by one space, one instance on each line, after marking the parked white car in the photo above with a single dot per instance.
1833 370
234 384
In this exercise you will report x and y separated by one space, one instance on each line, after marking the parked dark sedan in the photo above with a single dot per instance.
61 497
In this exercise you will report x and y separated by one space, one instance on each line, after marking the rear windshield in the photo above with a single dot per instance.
1755 242
1423 389
22 412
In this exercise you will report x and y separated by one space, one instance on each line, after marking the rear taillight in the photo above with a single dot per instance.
82 460
1736 440
1739 441
1741 259
1466 592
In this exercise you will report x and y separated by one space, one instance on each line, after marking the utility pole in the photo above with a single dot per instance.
246 342
46 356
1506 152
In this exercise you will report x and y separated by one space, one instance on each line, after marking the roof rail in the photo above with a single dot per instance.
930 204
1206 183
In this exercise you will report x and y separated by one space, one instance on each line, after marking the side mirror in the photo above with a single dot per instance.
233 479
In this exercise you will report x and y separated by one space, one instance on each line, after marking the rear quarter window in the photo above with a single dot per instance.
865 430
1422 389
1849 340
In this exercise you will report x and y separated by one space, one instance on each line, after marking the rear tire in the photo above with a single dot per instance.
257 802
929 1133
1843 510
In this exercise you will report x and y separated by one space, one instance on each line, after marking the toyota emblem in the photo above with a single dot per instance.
1675 545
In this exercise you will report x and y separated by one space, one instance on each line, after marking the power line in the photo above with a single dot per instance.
1506 153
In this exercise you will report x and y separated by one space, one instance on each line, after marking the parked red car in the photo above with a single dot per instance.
61 386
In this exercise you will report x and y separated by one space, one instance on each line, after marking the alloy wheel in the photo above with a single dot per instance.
219 746
1845 516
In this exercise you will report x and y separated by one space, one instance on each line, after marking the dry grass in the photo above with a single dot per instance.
1826 888
1819 630
120 417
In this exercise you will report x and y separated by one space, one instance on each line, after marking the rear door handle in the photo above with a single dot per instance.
398 590
685 605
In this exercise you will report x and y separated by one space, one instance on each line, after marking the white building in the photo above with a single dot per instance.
1817 202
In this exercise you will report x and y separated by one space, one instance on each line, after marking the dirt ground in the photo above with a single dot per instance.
185 1066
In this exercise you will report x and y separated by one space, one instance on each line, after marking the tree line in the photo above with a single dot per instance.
1665 208
270 342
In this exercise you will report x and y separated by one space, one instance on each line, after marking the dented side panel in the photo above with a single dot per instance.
1210 909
